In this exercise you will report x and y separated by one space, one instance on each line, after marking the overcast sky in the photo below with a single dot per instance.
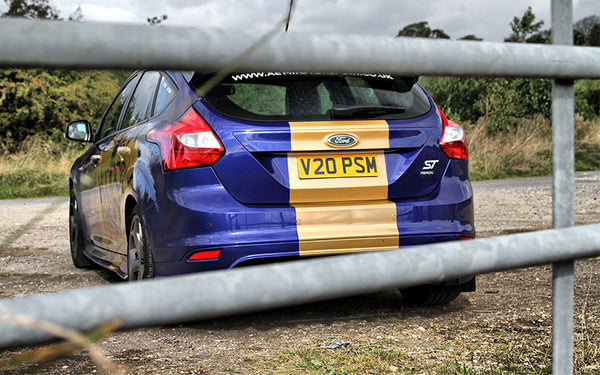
487 19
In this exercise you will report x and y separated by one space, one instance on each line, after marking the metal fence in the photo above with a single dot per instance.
71 45
107 46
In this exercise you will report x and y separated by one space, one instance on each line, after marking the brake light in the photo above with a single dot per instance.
187 143
454 140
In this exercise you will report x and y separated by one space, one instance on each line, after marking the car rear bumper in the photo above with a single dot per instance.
199 214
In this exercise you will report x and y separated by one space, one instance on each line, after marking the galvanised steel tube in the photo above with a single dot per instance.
213 294
72 45
563 194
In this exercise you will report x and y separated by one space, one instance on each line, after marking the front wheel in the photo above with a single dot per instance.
76 236
140 263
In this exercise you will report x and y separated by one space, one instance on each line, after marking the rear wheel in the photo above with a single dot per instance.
76 236
426 295
140 263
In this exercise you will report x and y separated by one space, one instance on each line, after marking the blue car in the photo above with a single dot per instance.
186 173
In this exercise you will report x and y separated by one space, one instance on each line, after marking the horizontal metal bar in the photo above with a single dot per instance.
213 294
72 45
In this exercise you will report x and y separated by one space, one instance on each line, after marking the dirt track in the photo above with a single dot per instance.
516 305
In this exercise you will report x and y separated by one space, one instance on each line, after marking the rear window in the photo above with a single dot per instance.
301 96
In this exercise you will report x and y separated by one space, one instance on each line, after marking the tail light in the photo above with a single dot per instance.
187 143
454 140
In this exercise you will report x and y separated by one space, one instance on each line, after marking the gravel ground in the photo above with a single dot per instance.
509 308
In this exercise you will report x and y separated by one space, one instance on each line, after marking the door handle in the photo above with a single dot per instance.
123 151
96 159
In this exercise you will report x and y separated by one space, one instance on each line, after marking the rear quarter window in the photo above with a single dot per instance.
166 93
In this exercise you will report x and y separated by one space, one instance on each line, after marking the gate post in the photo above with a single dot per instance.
563 194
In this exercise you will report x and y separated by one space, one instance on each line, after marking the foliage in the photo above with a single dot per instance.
586 32
524 27
471 37
38 169
77 15
459 98
509 100
502 102
157 20
42 102
587 98
37 9
422 30
527 150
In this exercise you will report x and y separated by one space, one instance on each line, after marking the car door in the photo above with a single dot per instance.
121 152
99 172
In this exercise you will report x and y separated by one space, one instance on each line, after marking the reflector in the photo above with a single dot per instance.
206 255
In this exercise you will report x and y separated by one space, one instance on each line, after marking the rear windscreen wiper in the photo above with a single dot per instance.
373 110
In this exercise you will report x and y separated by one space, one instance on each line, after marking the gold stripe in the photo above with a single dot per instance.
311 136
346 228
341 189
366 224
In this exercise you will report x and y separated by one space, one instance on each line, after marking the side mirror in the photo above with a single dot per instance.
80 131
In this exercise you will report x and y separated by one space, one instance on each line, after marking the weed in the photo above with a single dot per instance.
38 169
527 150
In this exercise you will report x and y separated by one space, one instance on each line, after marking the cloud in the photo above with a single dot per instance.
108 10
584 8
93 12
261 15
486 19
381 17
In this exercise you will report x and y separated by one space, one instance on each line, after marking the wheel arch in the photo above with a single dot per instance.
130 204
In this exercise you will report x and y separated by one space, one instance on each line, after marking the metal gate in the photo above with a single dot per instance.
29 44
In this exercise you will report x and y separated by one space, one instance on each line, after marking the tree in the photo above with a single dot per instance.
77 15
587 31
594 37
587 98
524 27
460 98
422 30
543 37
471 37
37 9
157 20
40 102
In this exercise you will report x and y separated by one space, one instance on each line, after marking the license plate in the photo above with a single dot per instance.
335 166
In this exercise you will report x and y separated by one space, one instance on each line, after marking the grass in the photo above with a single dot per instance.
512 354
527 151
41 169
507 349
38 169
365 358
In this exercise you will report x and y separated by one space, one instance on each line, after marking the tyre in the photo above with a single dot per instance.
140 263
426 295
76 236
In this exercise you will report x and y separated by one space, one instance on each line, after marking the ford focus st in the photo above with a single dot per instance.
186 175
